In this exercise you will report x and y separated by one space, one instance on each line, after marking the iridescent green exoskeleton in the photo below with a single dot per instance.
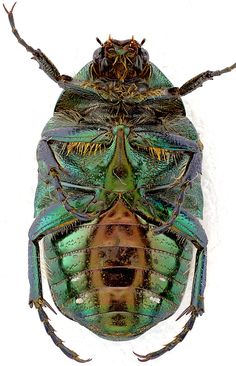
119 198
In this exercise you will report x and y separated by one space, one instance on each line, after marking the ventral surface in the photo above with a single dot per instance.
119 197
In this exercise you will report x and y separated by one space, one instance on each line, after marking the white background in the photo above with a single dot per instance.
184 38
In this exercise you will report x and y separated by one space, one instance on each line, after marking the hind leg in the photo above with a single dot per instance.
36 299
195 308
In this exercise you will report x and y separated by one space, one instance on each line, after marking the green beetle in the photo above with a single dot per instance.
119 197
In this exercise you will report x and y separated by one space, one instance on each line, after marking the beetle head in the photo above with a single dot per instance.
120 60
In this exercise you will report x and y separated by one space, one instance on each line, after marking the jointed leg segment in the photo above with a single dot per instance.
195 308
65 82
198 81
36 299
44 63
45 154
176 210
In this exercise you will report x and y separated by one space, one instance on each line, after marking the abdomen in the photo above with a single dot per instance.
115 276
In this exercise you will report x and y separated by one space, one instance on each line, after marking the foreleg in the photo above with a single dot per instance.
198 81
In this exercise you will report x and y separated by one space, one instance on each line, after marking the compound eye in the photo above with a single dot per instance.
98 55
144 55
138 63
104 64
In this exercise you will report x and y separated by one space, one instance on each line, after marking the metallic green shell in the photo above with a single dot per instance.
114 275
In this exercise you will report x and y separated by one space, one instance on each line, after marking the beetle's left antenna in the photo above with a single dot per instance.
44 63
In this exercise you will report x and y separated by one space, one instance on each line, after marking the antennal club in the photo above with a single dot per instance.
98 40
143 41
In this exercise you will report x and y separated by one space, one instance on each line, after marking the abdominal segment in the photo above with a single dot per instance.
115 276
